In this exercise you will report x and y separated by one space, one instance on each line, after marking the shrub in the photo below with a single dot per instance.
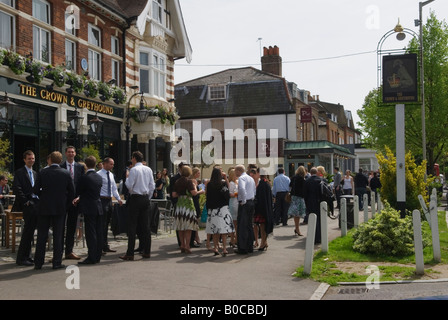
415 180
386 234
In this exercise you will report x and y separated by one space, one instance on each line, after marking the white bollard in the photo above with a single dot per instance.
343 217
435 231
418 243
324 226
380 204
425 209
309 251
356 211
372 203
366 207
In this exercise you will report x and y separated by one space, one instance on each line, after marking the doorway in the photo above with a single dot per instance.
23 143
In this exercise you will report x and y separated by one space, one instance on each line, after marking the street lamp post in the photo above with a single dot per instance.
422 75
399 116
76 124
142 115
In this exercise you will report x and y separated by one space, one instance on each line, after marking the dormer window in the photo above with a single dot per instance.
217 92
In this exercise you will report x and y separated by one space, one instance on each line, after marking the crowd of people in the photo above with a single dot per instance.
241 208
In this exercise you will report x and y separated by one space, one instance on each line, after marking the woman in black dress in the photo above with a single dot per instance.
263 209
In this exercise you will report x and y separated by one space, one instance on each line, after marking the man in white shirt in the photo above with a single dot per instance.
140 184
108 190
246 208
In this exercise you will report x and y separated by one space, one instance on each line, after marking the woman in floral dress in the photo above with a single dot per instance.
185 219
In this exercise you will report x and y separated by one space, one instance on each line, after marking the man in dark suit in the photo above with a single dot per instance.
55 189
76 171
313 199
88 197
26 202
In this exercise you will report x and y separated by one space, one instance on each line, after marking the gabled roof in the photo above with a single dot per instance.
249 92
336 109
125 8
238 75
182 47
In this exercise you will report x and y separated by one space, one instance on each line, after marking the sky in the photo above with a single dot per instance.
328 47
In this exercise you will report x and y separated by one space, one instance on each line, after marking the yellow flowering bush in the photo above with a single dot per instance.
415 180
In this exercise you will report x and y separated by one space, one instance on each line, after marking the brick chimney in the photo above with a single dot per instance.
271 61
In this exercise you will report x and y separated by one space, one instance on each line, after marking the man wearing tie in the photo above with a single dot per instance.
108 189
26 202
76 170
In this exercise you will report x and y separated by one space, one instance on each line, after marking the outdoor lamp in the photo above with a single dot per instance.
142 113
76 122
96 124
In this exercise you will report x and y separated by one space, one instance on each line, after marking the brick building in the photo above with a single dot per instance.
97 45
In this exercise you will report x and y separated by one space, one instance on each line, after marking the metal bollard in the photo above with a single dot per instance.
343 217
356 211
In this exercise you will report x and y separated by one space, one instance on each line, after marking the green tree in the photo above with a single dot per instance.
378 120
5 155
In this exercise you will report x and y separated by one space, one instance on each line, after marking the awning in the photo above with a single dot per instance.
306 148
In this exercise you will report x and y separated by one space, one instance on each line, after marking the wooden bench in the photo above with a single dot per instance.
11 219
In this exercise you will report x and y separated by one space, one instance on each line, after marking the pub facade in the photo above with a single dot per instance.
72 73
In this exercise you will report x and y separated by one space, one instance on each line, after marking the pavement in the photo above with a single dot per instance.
261 277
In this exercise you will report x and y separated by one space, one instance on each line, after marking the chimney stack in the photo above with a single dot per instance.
271 61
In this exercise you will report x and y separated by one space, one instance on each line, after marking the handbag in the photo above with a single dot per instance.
204 214
288 197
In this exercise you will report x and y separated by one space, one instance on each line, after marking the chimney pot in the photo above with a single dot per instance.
265 51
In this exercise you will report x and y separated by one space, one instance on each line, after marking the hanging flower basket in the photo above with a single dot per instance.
90 88
36 71
75 81
119 95
2 56
105 91
15 62
57 74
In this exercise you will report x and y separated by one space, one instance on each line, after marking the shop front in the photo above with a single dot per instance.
43 118
316 153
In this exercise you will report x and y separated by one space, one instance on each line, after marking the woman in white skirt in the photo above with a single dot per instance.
219 220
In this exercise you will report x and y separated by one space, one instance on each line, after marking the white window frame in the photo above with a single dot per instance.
115 67
156 70
217 92
114 45
73 56
48 13
37 52
13 33
11 5
157 11
95 64
90 39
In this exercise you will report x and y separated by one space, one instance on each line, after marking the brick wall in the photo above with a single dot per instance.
24 35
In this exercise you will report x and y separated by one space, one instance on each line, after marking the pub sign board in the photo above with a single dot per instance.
400 84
